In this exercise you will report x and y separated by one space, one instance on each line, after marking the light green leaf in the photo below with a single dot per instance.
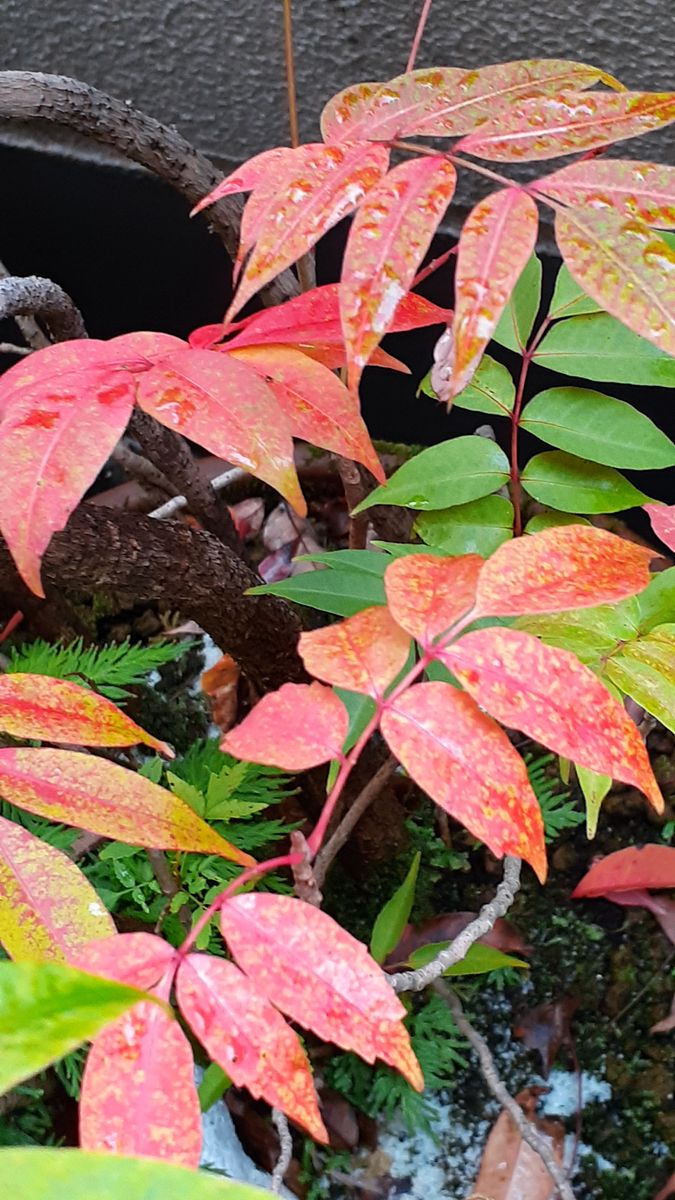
552 520
598 428
593 634
214 1084
594 789
360 709
32 1174
451 473
47 1010
645 670
478 961
574 485
393 918
478 527
600 348
569 299
186 792
515 326
491 390
656 604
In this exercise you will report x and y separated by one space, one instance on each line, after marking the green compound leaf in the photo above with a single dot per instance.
31 1174
491 390
47 1010
393 917
353 581
574 485
598 428
453 472
478 960
600 348
478 527
552 520
569 298
645 670
515 325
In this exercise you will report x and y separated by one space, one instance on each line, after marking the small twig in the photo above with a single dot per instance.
305 884
412 57
416 981
489 1071
351 819
355 492
234 475
10 348
168 884
140 468
285 1150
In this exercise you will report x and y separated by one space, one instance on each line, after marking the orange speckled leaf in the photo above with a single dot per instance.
571 566
314 319
64 409
224 406
625 266
248 1038
636 867
320 976
138 959
299 726
102 797
316 404
552 697
329 183
56 710
467 765
248 175
48 908
443 101
364 653
138 1090
427 594
662 517
552 126
497 239
630 189
389 237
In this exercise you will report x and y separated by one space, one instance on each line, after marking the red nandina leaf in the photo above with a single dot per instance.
316 404
547 1029
552 697
64 409
627 870
299 726
56 710
261 167
625 266
248 1038
138 1091
228 409
364 653
630 189
667 1191
552 126
48 908
320 976
662 907
426 594
510 1169
444 101
138 959
97 795
571 566
329 182
334 357
389 237
314 319
467 765
497 239
662 517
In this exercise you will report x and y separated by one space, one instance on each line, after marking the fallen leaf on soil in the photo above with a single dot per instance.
248 517
662 907
546 1029
665 1026
220 684
446 926
510 1169
286 536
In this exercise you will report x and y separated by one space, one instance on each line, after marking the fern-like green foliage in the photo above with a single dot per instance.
558 811
111 668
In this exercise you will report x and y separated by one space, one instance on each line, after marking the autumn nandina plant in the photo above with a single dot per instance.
440 653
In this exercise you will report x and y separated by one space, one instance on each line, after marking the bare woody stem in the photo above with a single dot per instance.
31 296
419 33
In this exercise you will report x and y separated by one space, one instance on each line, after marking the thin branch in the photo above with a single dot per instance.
351 819
355 491
220 482
139 468
168 884
10 348
416 981
291 95
526 1129
31 296
35 337
419 32
31 95
285 1150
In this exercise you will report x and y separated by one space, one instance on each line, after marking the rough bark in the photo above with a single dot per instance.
29 295
183 568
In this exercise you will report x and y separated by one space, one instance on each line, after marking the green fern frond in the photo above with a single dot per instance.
558 811
111 668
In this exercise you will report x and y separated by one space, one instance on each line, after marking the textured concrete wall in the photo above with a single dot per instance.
215 67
